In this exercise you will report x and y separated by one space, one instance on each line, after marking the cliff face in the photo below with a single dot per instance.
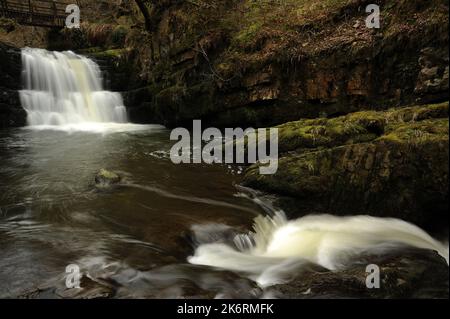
11 113
241 63
235 63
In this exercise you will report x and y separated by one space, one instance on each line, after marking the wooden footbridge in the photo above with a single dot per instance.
42 13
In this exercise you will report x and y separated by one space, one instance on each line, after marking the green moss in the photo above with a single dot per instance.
108 54
398 173
248 34
360 127
418 113
417 133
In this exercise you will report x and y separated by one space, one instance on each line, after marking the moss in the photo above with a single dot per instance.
7 25
343 166
105 178
356 127
416 133
243 37
360 127
418 113
109 54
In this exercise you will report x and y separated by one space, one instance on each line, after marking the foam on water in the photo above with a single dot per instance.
277 245
95 127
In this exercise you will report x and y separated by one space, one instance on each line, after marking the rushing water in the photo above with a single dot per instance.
167 230
65 88
277 245
136 235
51 216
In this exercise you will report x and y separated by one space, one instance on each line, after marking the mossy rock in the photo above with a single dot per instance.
105 178
400 171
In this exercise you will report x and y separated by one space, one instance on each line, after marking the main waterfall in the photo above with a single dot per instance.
65 88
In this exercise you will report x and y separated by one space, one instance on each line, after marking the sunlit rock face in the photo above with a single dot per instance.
64 88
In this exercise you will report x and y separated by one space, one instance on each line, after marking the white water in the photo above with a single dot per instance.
64 89
278 246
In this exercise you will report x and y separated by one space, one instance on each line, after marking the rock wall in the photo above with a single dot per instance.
11 113
260 68
241 63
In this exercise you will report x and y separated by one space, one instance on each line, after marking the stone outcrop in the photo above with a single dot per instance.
390 164
11 113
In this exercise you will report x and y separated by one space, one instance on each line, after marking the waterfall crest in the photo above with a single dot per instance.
65 88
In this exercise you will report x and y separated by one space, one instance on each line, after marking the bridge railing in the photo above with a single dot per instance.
47 13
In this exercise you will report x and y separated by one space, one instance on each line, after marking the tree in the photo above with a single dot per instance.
144 10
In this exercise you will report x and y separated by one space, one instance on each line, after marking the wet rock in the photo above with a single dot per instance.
387 164
185 281
11 112
413 273
105 178
433 77
89 289
182 289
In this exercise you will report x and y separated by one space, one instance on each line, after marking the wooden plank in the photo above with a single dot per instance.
36 12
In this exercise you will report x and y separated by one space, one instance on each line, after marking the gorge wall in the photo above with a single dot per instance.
239 63
11 113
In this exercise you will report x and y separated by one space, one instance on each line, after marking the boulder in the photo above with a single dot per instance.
386 164
105 178
411 273
11 112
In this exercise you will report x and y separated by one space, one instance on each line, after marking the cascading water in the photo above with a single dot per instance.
279 246
65 88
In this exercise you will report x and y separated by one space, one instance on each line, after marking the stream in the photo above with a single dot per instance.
51 215
166 230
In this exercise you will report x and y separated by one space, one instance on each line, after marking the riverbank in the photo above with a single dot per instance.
388 164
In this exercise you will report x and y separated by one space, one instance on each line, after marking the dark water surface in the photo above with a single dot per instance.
134 237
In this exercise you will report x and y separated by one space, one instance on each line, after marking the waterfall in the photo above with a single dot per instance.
65 88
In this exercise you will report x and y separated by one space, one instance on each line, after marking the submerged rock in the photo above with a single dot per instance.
411 273
386 164
105 178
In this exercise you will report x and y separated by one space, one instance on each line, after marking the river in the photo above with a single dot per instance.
165 230
52 216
